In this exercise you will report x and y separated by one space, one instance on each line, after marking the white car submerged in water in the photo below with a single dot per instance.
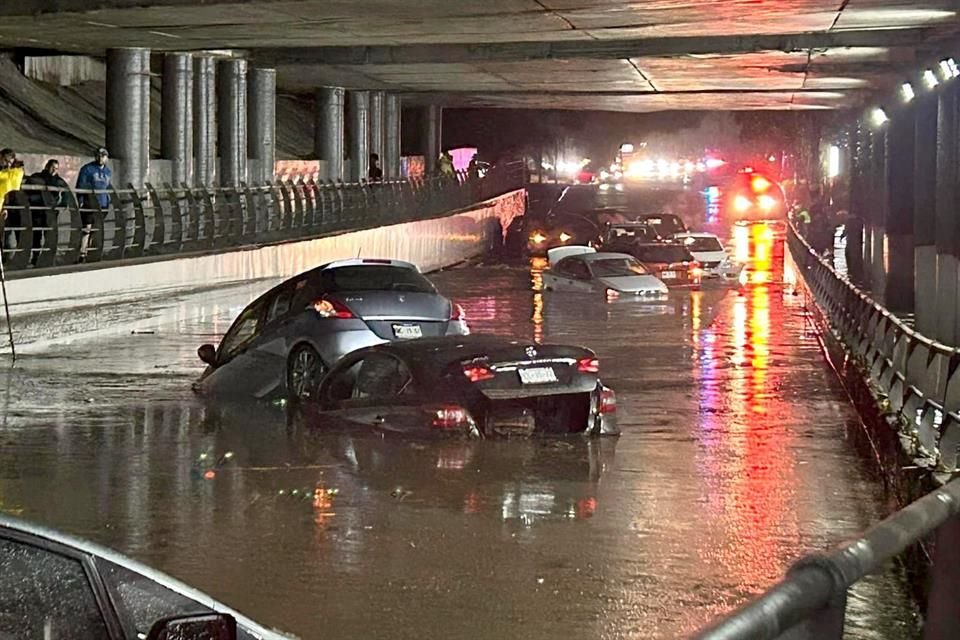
711 254
583 269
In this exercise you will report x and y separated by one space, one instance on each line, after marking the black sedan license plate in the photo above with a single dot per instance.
537 375
407 331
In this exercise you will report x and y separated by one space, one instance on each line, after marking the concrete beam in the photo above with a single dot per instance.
32 8
438 96
593 49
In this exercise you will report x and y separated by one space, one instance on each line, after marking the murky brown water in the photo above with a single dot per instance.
733 463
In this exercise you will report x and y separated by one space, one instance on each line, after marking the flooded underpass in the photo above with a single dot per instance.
734 461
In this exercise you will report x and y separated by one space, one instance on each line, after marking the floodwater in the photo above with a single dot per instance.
735 461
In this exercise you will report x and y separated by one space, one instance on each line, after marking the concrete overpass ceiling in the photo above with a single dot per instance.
637 55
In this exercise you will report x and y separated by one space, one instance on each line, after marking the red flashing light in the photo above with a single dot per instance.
478 372
450 418
332 308
588 365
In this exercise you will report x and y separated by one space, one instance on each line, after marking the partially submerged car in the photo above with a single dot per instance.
707 249
287 339
620 234
561 230
584 270
665 224
672 263
58 586
469 386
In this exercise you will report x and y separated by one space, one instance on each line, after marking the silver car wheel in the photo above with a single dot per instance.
304 371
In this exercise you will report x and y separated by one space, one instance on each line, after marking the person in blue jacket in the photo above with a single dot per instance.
94 176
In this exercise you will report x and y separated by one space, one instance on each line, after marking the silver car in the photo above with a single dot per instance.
286 340
56 586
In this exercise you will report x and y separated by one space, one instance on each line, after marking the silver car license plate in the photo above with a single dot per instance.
407 331
668 274
537 375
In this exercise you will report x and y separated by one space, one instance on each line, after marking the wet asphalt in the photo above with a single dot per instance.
735 460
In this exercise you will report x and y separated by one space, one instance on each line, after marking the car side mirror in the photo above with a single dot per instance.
208 354
203 626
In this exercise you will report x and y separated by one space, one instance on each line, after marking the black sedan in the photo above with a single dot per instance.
473 386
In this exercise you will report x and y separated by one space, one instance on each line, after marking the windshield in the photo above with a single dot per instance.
667 224
665 253
702 244
374 278
616 267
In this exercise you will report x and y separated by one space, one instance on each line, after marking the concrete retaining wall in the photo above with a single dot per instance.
38 303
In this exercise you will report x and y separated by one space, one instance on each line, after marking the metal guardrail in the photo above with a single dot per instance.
920 380
810 602
916 378
47 227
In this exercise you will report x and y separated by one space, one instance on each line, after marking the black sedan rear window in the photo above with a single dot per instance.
663 253
374 278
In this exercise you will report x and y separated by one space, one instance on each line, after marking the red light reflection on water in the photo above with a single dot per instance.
746 451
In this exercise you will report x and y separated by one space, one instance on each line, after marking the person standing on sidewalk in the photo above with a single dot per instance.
11 177
95 178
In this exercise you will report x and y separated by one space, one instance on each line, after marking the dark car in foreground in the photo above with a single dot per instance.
287 339
470 386
56 586
671 262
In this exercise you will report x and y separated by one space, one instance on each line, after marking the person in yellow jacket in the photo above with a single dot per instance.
11 177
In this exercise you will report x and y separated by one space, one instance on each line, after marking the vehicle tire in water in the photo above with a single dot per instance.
305 368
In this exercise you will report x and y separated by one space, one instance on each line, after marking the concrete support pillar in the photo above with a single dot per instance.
262 120
432 136
328 131
946 223
128 114
176 116
856 226
232 121
377 115
924 215
391 136
204 121
898 258
359 135
876 210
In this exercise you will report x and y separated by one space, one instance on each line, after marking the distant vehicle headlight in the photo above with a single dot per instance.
741 203
537 237
565 236
766 202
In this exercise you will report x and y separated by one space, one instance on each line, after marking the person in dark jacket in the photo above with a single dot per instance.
95 178
375 173
45 202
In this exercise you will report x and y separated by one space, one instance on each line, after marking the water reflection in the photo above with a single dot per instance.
732 464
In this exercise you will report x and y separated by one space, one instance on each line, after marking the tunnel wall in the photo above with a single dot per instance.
57 304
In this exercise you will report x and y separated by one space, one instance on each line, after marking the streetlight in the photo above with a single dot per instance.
930 78
906 90
879 117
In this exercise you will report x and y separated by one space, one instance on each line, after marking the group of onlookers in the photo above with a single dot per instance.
49 193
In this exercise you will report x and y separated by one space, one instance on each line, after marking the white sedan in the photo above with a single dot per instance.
583 269
710 253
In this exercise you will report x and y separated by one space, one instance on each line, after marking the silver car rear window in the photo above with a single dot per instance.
374 278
